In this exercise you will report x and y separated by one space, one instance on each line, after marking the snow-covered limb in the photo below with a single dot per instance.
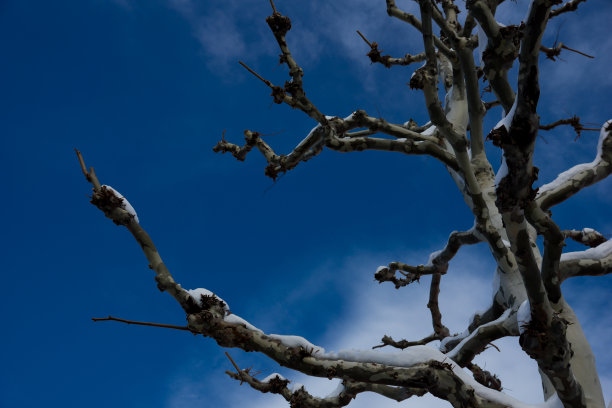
580 176
297 396
112 207
125 204
595 261
571 5
360 119
587 236
476 341
406 146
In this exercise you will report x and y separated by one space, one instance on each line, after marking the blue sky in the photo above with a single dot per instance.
145 89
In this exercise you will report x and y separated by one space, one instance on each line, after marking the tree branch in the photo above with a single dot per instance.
574 122
309 147
113 207
595 261
554 241
478 339
578 177
299 397
394 11
569 6
485 377
587 236
501 51
387 60
553 53
438 261
402 344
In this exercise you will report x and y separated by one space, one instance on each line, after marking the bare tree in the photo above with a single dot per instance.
509 215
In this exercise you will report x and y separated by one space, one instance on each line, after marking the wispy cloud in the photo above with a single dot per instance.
123 3
373 310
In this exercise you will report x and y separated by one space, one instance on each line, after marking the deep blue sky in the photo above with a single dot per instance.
145 89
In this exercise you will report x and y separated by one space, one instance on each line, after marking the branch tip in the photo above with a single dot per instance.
364 39
234 363
166 326
265 81
274 10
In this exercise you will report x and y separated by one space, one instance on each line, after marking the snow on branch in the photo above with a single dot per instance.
113 208
595 261
586 236
580 176
569 6
297 396
420 368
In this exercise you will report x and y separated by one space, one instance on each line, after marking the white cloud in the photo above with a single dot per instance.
374 310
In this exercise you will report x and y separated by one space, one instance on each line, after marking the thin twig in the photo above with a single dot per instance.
364 39
236 367
273 7
576 51
89 175
265 81
167 326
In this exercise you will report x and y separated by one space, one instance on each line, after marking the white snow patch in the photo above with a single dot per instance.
421 355
297 341
429 131
466 338
432 256
232 318
507 119
523 315
502 172
197 294
272 376
562 178
599 252
125 204
405 358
